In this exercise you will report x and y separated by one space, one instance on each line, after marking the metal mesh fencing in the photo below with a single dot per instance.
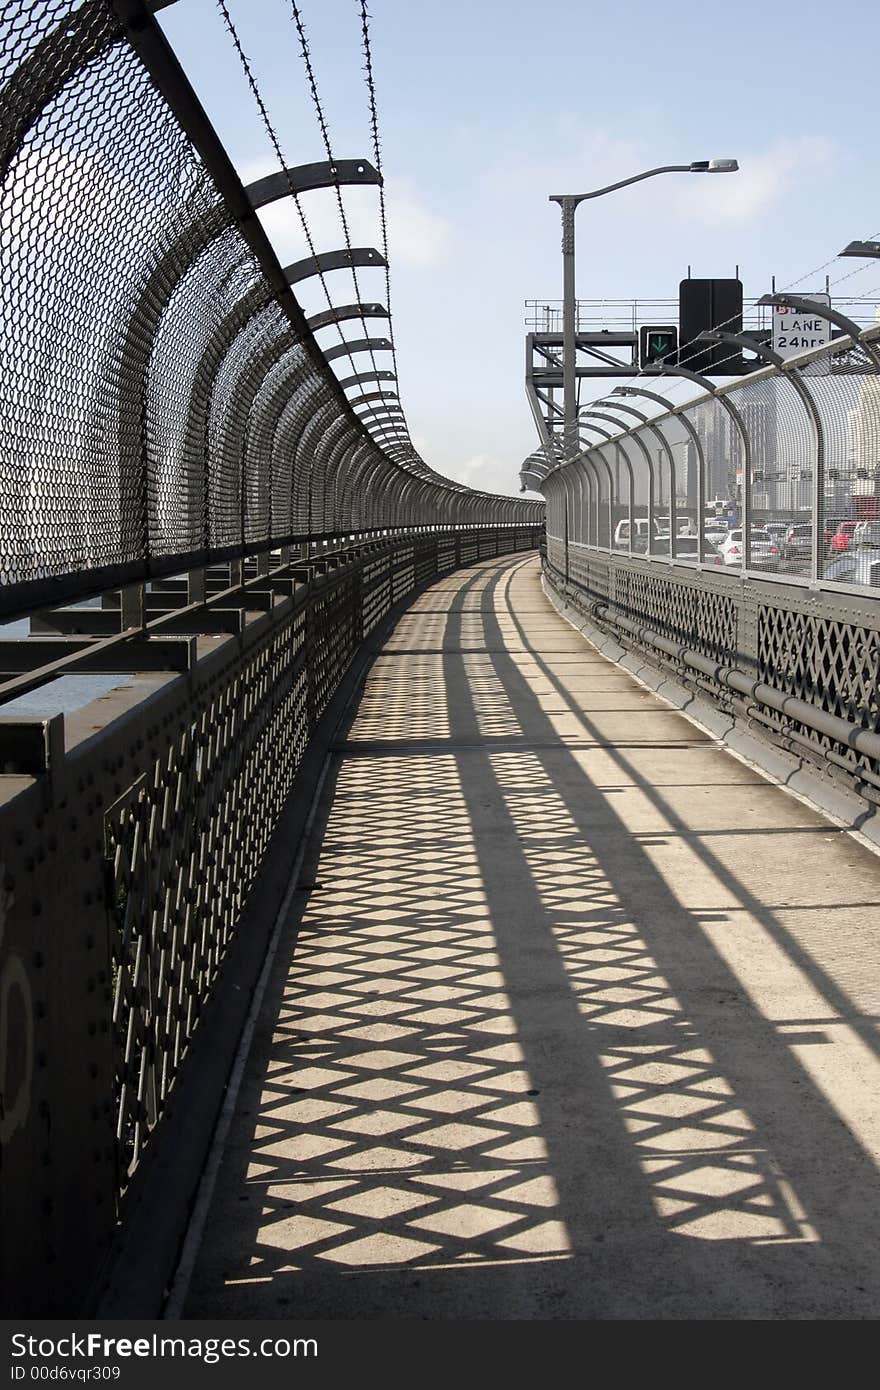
735 540
777 473
142 335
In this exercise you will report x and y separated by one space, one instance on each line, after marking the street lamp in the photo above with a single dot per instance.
569 203
870 250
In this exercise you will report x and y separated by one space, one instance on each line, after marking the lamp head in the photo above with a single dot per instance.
714 166
862 248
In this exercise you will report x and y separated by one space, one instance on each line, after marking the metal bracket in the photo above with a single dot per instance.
333 260
304 177
358 345
347 311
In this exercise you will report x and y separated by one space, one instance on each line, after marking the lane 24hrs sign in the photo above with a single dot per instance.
795 332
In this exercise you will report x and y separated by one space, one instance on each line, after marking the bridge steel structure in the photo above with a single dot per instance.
782 662
189 500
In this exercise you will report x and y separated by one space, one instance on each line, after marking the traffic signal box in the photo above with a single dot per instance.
658 345
702 306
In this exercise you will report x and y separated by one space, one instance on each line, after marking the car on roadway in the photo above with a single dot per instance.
858 565
622 534
797 544
715 532
764 550
866 532
830 527
688 548
777 529
843 535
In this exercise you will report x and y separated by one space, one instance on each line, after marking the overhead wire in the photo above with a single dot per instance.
734 355
681 384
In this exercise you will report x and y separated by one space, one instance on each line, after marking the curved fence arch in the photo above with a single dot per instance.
142 313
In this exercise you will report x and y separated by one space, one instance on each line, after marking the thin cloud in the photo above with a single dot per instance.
591 156
416 235
763 180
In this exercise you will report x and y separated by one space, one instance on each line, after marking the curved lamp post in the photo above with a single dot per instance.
569 203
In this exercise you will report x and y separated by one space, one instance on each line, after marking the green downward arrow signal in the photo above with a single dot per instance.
659 343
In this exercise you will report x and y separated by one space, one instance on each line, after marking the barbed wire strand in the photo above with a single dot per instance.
276 145
323 126
377 155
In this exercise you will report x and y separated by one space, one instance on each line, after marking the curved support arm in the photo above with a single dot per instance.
791 374
348 349
660 400
679 413
599 449
342 259
612 491
644 420
366 376
343 312
576 198
621 453
355 401
739 425
303 177
577 474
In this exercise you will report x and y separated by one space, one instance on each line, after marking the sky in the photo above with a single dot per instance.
488 106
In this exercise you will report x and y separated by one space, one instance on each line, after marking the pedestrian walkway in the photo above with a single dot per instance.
575 1014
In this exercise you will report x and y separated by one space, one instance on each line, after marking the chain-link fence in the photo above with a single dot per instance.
160 393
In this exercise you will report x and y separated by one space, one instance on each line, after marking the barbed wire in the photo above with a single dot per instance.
377 155
325 136
276 145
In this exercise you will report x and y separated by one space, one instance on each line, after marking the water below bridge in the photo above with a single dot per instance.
573 1015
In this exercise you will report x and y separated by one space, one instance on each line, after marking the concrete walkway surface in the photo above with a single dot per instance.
574 1015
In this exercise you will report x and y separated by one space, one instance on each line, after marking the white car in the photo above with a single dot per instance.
764 550
688 548
856 566
866 533
640 538
716 534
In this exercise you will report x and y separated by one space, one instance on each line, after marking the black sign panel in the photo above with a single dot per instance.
702 306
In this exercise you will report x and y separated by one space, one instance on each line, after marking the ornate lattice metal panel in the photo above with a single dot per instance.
701 618
128 874
829 663
184 845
